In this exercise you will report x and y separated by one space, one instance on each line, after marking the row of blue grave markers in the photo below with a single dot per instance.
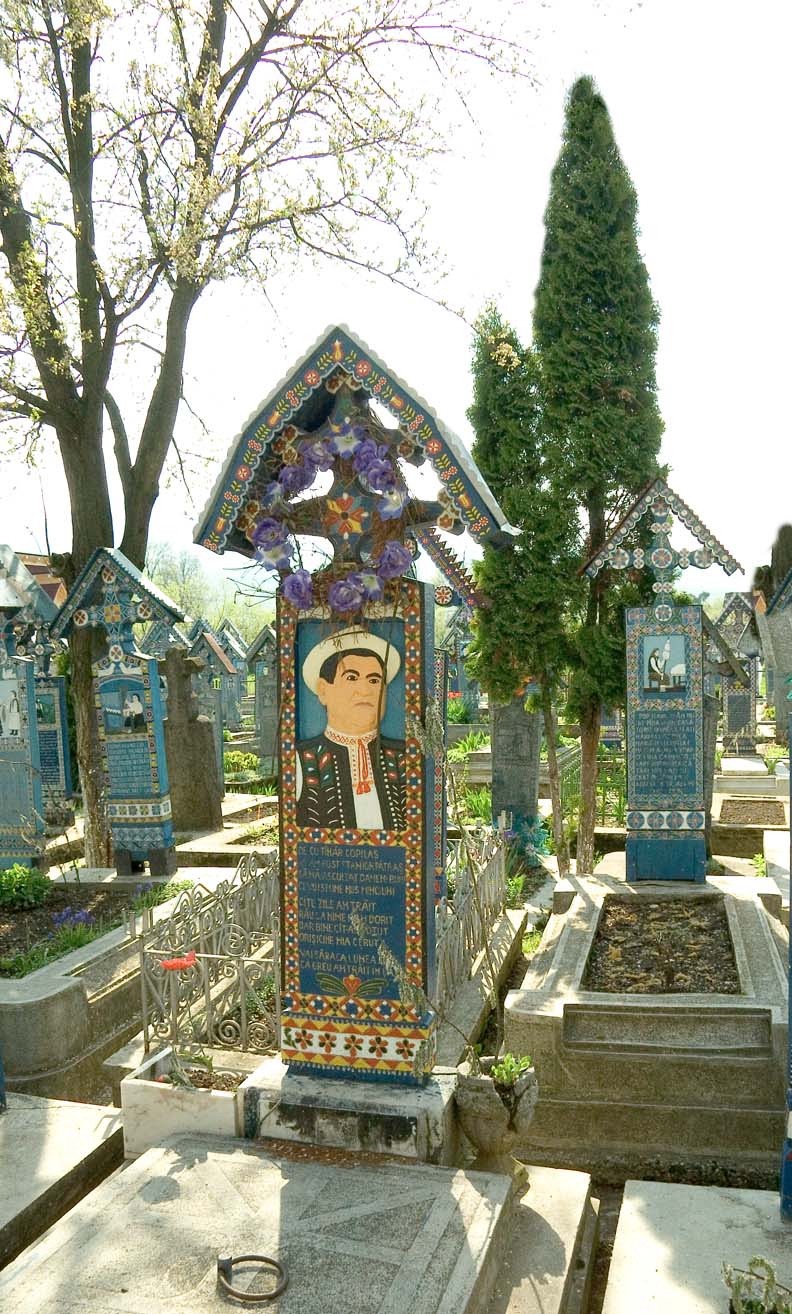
111 594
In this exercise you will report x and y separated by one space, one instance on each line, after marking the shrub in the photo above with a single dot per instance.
23 887
476 804
472 743
459 711
236 763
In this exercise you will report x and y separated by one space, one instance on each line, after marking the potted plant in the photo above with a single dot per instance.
495 1101
756 1290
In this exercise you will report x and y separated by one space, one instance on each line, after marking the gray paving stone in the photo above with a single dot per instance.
356 1239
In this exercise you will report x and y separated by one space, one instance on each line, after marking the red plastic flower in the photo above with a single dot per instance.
178 964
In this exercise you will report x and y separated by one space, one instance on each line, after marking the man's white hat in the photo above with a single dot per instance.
343 641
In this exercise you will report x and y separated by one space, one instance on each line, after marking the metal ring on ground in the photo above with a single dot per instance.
225 1265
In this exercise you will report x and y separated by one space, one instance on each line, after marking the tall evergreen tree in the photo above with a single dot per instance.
531 583
595 332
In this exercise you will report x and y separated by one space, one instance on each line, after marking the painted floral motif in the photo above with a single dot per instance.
346 516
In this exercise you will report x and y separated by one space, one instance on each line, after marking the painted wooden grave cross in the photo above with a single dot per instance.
110 594
21 800
356 672
665 719
33 639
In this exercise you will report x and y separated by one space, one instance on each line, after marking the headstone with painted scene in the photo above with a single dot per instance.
111 595
357 673
205 643
666 797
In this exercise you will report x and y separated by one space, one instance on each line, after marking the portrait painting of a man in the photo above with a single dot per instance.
350 775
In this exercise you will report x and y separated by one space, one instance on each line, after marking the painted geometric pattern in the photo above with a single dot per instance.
421 434
109 568
140 839
298 1009
449 565
675 819
355 1048
656 497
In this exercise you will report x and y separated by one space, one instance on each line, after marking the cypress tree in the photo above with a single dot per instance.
595 333
529 582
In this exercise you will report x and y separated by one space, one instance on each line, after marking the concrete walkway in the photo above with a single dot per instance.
51 1152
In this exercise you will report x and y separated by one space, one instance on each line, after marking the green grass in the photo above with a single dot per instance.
474 742
148 895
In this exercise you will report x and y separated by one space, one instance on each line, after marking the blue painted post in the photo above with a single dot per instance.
786 1155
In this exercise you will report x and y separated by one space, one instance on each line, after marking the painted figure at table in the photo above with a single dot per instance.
350 776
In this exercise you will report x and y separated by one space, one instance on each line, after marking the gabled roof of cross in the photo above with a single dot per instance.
303 399
451 567
659 498
148 601
723 646
160 637
264 638
207 644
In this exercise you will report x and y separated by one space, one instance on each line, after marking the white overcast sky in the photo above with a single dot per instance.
698 96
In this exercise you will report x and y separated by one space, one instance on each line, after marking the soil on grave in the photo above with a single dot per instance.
203 1080
752 812
672 946
21 928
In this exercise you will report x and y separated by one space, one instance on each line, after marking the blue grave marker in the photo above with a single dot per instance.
358 812
666 804
111 594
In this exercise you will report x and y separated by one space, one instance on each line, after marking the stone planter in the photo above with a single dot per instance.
494 1118
153 1110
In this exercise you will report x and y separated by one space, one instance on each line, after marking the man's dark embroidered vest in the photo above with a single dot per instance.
327 798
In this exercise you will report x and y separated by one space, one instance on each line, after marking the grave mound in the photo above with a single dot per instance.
753 812
678 946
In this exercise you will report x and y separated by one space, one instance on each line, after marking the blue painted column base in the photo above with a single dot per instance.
666 858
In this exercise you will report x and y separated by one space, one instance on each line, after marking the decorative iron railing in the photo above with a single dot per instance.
464 927
226 996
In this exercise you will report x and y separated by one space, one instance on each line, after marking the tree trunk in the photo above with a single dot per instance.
92 527
550 729
589 744
84 645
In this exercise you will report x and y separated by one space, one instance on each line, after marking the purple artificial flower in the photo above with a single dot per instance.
297 589
368 451
394 559
380 475
269 533
277 557
343 596
315 453
296 478
345 438
271 496
367 583
392 504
